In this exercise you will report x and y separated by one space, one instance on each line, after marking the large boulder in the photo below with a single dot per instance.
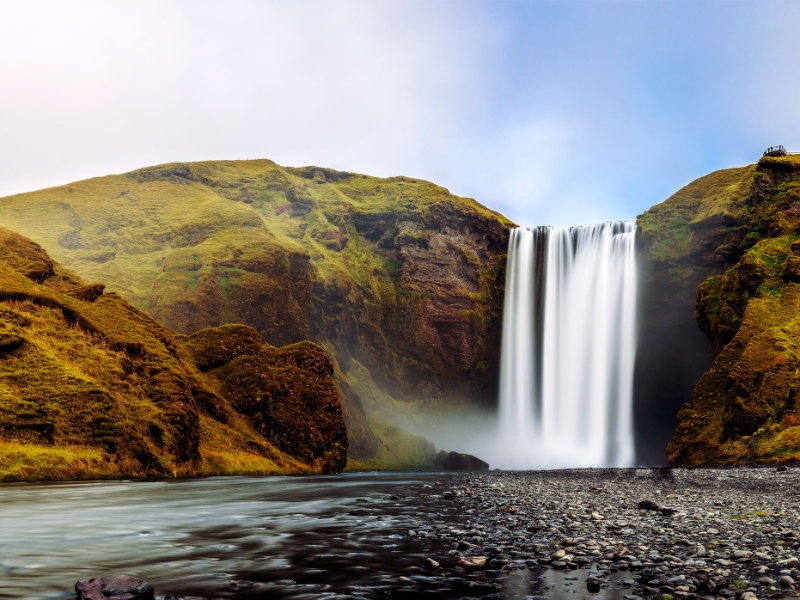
455 461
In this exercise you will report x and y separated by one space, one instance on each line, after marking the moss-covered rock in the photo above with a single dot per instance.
288 393
743 408
395 274
92 387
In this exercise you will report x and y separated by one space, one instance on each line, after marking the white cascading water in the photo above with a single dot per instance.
568 348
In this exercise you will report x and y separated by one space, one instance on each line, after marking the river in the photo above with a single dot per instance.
243 537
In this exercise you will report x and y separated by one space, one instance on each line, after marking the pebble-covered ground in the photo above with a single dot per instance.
663 533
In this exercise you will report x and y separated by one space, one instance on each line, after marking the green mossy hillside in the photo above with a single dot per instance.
743 409
92 387
396 274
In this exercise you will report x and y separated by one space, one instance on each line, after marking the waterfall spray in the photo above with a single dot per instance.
568 347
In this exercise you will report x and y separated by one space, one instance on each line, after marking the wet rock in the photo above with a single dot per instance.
471 562
404 581
593 585
430 564
786 581
454 461
118 587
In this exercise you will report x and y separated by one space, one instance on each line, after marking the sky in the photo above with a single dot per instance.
552 113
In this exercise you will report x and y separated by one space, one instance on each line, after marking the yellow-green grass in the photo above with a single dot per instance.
91 387
744 409
297 254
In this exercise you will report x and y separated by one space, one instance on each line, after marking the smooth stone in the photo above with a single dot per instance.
430 564
471 562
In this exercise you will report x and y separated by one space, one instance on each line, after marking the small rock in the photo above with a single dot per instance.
648 505
748 596
558 554
118 587
593 585
597 516
471 562
430 564
780 469
400 581
786 581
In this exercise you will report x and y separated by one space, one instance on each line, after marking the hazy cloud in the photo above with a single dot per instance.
550 112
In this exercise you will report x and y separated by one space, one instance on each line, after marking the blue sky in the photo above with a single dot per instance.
558 113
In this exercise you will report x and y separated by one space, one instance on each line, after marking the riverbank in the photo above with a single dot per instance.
703 533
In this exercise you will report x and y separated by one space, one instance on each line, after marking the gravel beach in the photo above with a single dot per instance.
663 533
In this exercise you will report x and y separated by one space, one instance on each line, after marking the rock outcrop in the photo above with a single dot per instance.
455 461
722 246
744 408
399 280
91 387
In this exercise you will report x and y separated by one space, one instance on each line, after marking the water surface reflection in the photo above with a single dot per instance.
243 537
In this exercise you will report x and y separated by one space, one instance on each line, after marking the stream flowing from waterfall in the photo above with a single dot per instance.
568 348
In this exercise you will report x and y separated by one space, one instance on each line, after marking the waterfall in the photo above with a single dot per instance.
568 347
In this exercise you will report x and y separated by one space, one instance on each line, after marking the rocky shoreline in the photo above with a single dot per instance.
658 533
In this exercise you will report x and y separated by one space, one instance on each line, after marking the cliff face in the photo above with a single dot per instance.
716 259
91 387
398 279
695 233
744 408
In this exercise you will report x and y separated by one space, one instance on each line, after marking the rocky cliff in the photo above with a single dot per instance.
91 387
719 253
399 280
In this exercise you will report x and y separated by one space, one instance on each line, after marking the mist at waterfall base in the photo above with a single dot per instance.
568 350
567 356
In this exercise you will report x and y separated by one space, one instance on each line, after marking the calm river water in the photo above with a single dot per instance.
240 537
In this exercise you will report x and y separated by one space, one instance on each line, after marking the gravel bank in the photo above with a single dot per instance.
703 533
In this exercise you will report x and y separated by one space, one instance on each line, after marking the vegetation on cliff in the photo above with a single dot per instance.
736 228
91 387
399 280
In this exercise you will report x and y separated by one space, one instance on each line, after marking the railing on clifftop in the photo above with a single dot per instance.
775 151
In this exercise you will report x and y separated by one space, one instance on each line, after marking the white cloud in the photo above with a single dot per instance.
549 112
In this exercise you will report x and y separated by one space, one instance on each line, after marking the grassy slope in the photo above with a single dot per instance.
91 387
736 226
297 254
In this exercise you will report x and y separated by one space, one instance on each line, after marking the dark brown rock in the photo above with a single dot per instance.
88 293
453 461
118 587
289 393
